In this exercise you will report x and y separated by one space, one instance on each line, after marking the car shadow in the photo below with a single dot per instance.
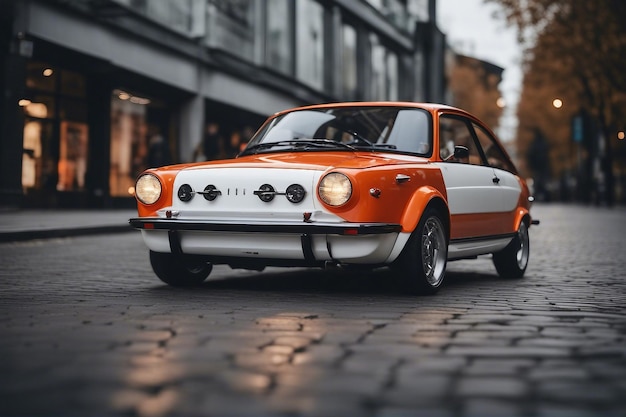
320 281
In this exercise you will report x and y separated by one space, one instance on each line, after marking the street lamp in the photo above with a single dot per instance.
621 135
557 103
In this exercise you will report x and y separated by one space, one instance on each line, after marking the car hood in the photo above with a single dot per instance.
319 161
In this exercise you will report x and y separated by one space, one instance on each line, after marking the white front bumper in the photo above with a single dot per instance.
274 241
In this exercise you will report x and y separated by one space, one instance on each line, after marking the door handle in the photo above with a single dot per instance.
401 178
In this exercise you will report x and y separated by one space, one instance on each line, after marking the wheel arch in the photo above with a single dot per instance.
523 215
422 199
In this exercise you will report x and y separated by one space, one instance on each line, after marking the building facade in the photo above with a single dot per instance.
98 90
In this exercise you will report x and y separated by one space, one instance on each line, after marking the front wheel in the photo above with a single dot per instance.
422 263
179 270
511 262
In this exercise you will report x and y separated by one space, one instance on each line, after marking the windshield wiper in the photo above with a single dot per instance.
297 143
357 138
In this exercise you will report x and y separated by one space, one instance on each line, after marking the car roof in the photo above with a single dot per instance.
432 107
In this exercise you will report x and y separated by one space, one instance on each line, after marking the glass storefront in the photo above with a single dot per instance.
139 139
56 134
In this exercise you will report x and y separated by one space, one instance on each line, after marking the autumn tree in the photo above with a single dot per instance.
576 48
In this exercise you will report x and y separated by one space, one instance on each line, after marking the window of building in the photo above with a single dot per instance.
384 75
138 140
310 43
379 69
231 27
396 11
279 44
349 62
56 135
174 14
392 75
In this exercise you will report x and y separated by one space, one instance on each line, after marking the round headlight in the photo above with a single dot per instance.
335 189
148 189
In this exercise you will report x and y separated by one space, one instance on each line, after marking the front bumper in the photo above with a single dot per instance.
287 242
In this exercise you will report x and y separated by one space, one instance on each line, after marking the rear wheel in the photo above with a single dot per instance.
422 263
179 270
511 262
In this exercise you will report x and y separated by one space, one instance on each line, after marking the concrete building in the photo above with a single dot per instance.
95 91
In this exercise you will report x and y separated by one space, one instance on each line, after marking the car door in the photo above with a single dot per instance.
471 184
508 185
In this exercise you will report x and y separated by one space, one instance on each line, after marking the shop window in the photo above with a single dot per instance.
56 136
40 106
138 140
73 152
310 43
41 77
72 109
38 163
72 84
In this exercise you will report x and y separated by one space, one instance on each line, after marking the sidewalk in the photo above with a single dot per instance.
19 225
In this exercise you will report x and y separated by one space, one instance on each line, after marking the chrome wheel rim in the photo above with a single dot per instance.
524 248
434 251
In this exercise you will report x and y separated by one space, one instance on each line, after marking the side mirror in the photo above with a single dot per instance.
461 152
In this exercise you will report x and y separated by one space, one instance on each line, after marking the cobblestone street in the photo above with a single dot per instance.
87 329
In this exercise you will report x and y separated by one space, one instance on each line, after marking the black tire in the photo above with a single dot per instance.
179 270
422 263
511 262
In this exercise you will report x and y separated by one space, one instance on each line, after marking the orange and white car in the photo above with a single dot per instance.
405 185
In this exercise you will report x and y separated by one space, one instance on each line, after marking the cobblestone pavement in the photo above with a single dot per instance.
87 329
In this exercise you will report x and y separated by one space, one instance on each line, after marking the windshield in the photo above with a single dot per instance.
393 129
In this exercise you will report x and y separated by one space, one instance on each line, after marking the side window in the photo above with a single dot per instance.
455 131
495 157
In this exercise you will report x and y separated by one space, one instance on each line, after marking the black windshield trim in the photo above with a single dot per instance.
365 149
297 145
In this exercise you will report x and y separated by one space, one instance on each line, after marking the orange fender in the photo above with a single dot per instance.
415 207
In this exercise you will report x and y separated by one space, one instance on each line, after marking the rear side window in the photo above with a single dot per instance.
494 154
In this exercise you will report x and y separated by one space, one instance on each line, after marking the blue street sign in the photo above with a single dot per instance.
577 128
